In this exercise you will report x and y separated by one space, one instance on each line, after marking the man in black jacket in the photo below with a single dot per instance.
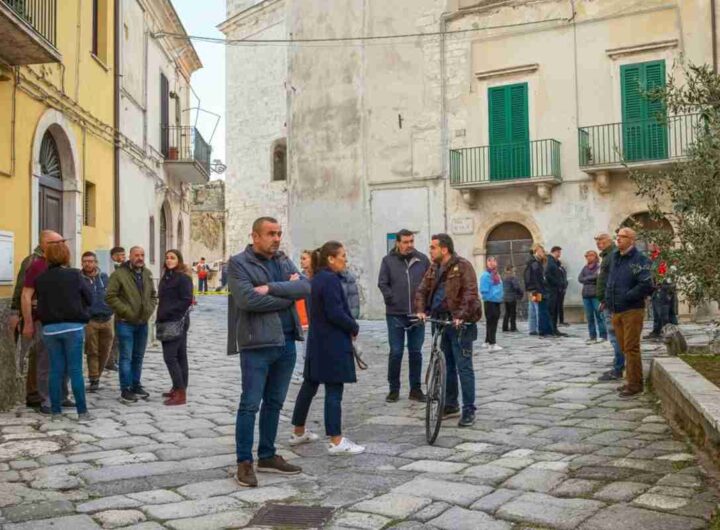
401 272
536 286
555 282
628 285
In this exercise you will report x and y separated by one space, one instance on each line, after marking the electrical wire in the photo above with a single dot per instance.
344 40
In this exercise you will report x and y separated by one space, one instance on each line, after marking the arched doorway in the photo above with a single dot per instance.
643 221
50 183
510 243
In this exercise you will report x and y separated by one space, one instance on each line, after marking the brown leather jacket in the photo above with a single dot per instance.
461 290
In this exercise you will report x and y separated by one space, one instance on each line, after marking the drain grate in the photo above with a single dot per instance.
292 515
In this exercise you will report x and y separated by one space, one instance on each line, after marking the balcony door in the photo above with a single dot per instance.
509 132
644 124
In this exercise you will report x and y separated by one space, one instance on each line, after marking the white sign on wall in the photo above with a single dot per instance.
7 253
463 226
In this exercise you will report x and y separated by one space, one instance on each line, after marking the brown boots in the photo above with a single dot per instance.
177 397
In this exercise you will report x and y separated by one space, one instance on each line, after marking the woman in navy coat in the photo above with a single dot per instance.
330 359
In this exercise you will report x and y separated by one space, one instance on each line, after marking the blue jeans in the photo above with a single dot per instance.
593 316
396 338
132 340
202 285
532 317
66 357
333 406
458 349
619 358
266 376
544 324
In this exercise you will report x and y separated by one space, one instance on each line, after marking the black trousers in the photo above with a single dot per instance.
492 316
561 306
175 356
510 317
553 301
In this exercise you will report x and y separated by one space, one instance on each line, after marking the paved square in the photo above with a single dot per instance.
551 447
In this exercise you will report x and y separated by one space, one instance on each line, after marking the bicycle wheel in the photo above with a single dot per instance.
435 396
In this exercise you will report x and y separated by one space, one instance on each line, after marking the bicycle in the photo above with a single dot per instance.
435 379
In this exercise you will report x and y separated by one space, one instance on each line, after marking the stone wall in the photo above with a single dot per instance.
207 222
12 387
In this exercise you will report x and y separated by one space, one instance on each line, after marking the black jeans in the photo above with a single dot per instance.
333 406
175 356
492 315
561 306
510 317
663 302
553 302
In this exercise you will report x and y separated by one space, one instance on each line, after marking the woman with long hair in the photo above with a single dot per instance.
330 359
64 300
491 290
175 296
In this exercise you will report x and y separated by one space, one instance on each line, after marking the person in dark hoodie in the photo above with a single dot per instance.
99 331
401 272
64 297
555 283
175 297
512 294
537 288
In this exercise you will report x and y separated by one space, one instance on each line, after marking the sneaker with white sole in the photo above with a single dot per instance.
345 447
591 341
486 345
304 438
494 347
600 341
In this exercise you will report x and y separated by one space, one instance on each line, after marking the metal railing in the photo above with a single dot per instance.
637 141
505 162
41 15
185 143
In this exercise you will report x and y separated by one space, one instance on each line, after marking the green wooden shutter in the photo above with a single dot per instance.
656 132
509 135
644 136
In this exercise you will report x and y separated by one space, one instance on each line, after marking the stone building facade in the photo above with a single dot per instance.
207 226
162 154
507 125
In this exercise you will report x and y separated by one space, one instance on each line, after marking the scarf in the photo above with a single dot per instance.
495 276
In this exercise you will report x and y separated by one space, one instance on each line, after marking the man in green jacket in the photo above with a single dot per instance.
131 295
606 247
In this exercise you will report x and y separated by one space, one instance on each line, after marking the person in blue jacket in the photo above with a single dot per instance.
491 291
330 359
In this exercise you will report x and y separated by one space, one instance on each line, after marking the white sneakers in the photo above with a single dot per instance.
345 447
304 438
494 347
591 341
486 345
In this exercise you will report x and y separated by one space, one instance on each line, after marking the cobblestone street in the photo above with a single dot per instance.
551 448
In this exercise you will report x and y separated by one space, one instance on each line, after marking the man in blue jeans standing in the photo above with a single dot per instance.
263 326
401 272
132 297
449 291
607 249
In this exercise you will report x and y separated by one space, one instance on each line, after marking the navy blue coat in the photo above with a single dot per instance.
329 354
629 281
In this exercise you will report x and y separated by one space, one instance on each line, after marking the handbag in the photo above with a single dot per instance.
168 331
357 355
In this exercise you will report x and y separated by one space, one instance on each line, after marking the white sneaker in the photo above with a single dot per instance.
591 341
304 438
345 447
486 345
495 347
600 341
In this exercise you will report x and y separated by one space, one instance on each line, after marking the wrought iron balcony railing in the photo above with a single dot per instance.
477 166
647 140
40 15
186 144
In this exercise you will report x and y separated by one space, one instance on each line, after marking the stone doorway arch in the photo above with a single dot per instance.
56 190
510 243
643 221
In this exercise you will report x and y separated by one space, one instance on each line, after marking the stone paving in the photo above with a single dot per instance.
552 448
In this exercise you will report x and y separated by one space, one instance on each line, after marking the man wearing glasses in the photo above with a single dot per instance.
629 283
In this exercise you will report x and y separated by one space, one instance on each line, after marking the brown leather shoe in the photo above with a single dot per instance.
621 388
277 464
176 398
169 393
627 393
246 474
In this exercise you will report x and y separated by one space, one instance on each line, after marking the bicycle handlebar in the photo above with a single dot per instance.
431 321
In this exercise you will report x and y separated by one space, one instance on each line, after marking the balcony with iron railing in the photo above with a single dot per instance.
28 32
187 154
648 142
535 163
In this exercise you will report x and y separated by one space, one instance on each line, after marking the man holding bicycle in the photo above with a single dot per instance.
449 291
